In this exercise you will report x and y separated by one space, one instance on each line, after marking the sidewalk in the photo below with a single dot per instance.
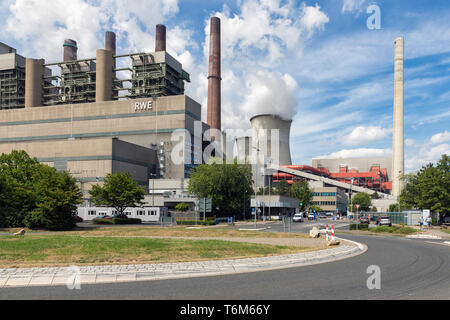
24 277
433 232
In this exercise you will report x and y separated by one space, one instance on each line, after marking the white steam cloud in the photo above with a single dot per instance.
271 93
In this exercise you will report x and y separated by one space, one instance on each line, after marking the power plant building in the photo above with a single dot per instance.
91 123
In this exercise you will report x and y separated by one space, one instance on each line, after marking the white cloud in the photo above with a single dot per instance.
440 137
43 26
358 153
425 155
362 135
255 41
410 142
353 6
271 92
313 18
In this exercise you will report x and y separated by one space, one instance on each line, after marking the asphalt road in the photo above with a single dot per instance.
410 269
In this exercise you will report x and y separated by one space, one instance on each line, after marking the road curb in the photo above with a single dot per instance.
37 277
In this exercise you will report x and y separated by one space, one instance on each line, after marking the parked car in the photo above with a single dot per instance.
311 216
298 217
365 220
120 216
78 219
103 217
385 221
446 219
323 215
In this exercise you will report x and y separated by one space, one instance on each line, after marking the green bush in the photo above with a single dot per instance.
208 222
362 226
386 229
394 229
118 221
182 207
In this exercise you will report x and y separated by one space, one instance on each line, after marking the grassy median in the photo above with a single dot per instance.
183 232
65 250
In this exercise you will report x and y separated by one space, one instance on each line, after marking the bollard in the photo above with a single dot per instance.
332 233
327 233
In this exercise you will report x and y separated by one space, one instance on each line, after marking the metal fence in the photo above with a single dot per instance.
407 218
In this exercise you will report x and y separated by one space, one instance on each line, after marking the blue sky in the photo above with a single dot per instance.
314 61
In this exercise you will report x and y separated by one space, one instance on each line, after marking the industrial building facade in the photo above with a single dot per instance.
331 199
90 123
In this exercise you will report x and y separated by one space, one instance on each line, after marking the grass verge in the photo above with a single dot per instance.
395 230
182 232
64 250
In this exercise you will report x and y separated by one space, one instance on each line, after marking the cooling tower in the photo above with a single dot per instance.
398 161
244 149
271 135
70 50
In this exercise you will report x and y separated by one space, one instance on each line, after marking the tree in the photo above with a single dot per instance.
17 198
119 191
283 188
429 188
228 185
35 195
364 201
58 197
393 207
182 207
303 193
315 208
375 196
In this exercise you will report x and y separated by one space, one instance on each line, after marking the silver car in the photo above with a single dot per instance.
385 221
298 217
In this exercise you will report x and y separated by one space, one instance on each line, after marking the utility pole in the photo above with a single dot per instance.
256 184
351 198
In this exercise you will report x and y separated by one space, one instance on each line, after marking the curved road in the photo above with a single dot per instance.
410 269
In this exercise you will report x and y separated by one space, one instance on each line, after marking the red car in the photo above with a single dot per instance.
78 219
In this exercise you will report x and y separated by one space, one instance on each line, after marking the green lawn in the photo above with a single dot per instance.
220 232
65 250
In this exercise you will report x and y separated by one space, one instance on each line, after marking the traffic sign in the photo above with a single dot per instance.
205 205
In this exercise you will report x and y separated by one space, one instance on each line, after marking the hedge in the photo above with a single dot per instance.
362 226
196 222
118 221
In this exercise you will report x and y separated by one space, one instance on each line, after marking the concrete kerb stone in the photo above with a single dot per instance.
112 274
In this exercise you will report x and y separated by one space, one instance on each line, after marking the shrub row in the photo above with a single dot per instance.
118 221
395 229
360 226
198 222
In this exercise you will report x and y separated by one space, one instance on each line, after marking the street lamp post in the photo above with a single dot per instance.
399 197
153 175
256 183
351 198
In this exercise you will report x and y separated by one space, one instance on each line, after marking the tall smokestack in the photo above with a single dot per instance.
398 161
160 38
70 50
110 42
214 119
